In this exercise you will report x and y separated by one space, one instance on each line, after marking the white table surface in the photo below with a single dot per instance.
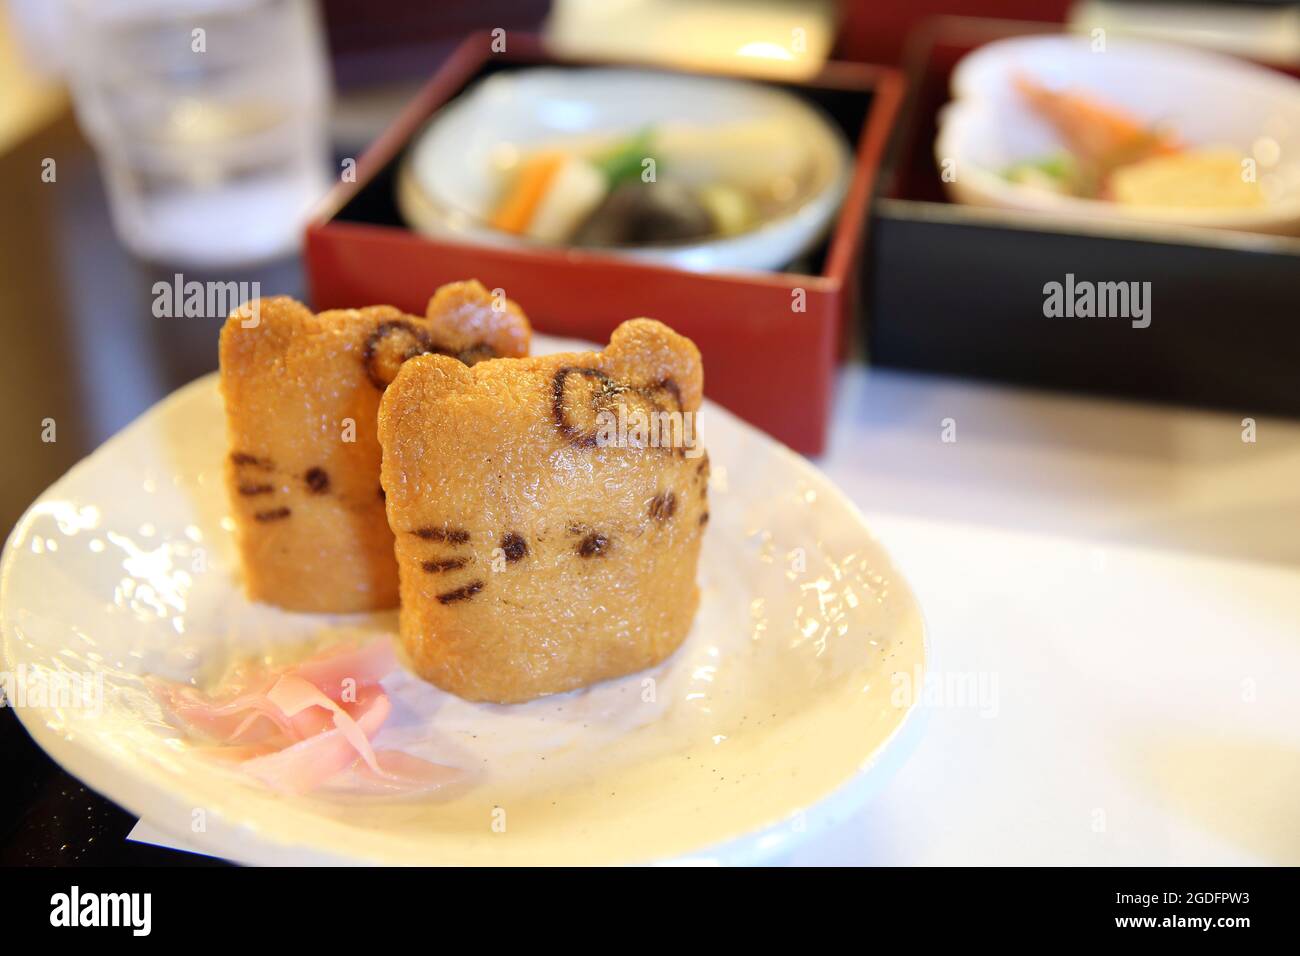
1124 579
1113 596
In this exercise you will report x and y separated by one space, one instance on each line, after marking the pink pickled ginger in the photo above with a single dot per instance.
305 726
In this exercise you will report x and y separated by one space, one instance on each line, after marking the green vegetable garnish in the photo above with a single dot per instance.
1058 166
624 162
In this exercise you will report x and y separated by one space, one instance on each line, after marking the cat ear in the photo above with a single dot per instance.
420 392
256 335
432 376
421 383
644 352
466 314
258 319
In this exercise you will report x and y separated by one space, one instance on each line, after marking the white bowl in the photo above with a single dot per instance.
1207 98
781 713
447 185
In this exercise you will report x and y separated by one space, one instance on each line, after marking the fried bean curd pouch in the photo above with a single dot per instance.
302 393
548 512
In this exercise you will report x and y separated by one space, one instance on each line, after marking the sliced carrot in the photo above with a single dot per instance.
525 194
1094 130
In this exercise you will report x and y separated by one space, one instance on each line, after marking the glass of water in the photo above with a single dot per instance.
210 121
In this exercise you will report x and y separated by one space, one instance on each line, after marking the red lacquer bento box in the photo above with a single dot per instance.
770 340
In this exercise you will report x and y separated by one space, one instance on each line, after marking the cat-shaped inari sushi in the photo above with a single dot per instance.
548 512
302 397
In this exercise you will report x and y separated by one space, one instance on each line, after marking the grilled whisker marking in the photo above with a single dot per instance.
244 458
450 535
448 564
460 594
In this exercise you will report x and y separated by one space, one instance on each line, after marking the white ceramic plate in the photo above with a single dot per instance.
788 690
447 186
1209 99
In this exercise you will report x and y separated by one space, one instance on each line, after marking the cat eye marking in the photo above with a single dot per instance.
704 519
318 482
446 564
450 535
514 546
460 594
274 514
593 545
247 489
663 506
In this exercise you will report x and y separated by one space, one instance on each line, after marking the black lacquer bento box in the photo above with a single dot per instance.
960 290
